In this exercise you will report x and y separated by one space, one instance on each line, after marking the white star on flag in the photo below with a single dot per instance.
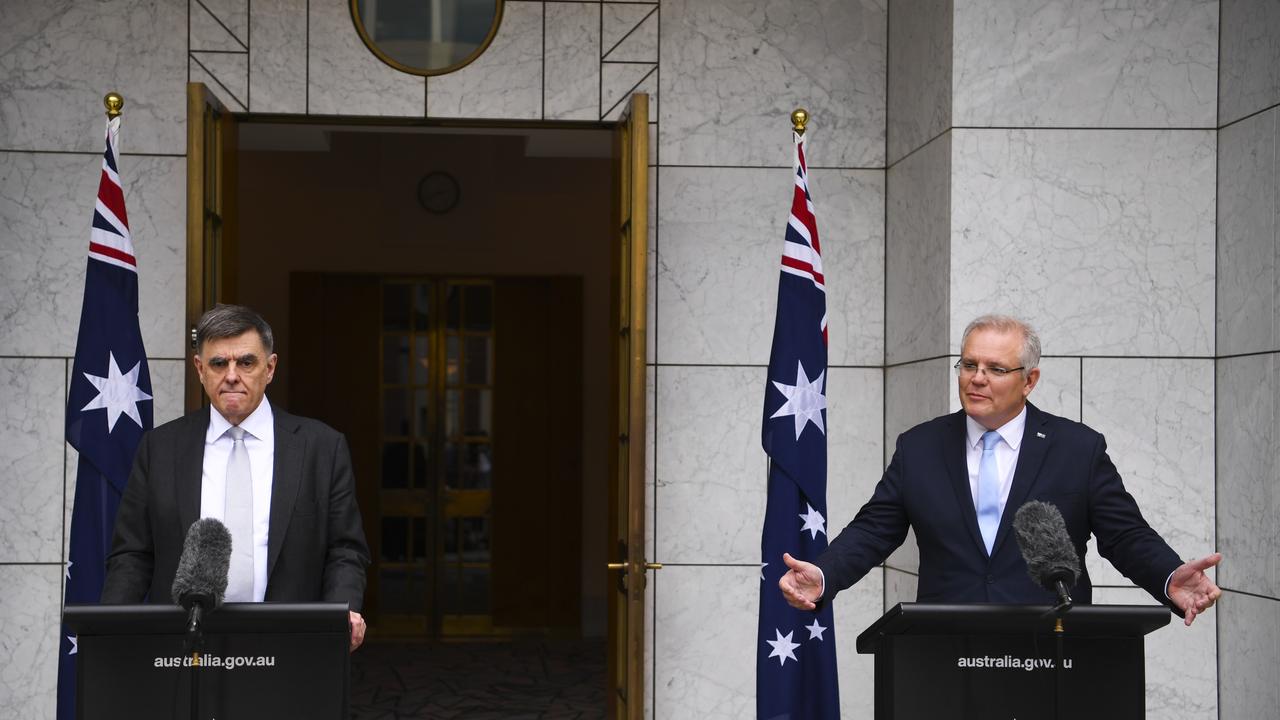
805 400
118 393
762 567
75 644
782 647
68 573
815 630
813 522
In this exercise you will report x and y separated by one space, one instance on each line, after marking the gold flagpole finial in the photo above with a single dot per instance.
799 118
114 103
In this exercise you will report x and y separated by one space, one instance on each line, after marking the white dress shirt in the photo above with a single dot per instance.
260 443
1006 452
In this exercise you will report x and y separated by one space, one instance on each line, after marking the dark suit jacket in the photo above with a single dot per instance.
926 487
315 549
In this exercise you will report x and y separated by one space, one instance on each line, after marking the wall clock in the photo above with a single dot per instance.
439 192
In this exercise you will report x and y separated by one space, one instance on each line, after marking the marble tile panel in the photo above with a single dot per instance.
30 612
167 378
650 457
914 393
505 81
721 235
920 61
918 253
705 635
199 74
619 81
711 483
31 459
899 587
278 58
1248 654
50 197
651 269
221 31
1103 239
1248 499
572 60
1157 416
1081 63
1248 253
1249 76
345 78
231 14
735 69
227 75
1181 666
61 57
630 33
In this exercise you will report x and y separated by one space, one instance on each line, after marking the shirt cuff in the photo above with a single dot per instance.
823 591
1166 585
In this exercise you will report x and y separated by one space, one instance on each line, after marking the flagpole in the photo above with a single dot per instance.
114 103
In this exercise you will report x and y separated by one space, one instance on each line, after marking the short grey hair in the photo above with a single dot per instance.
1030 356
228 321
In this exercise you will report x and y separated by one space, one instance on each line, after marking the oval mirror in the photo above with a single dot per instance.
427 37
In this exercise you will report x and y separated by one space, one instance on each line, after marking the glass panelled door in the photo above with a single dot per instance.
436 465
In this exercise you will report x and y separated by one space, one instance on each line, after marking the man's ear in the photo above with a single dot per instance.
1033 377
195 360
271 366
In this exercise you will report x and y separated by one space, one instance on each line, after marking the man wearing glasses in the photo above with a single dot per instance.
957 480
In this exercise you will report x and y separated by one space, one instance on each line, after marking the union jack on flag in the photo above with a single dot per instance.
109 401
796 650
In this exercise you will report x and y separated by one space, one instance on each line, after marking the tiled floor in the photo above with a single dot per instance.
481 680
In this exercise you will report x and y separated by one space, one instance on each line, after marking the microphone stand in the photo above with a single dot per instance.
1057 611
192 646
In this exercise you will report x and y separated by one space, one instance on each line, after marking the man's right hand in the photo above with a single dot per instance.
802 583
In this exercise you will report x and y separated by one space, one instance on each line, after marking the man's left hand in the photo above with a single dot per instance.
357 629
1192 590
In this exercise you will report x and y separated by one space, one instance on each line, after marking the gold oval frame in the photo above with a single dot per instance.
368 43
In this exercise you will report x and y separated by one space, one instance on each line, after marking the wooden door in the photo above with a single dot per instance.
626 557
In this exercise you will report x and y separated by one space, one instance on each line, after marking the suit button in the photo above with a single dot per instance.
990 580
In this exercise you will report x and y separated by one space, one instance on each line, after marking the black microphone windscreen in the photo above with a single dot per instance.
202 569
1046 545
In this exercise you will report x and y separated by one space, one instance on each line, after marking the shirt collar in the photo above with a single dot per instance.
1010 432
260 423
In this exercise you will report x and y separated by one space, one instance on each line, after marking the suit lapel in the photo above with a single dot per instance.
958 466
286 475
1035 445
188 471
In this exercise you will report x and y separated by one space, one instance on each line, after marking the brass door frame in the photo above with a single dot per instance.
211 193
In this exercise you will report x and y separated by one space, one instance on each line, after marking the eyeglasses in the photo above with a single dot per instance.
967 369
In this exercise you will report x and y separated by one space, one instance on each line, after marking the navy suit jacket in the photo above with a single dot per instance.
316 548
926 487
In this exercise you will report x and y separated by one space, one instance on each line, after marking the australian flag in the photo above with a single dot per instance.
109 403
796 650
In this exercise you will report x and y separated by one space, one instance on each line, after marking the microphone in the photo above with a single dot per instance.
200 582
1047 549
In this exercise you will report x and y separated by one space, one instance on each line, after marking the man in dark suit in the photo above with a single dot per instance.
281 483
959 479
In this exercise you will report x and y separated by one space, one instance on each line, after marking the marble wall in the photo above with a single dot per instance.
1107 171
1248 365
1070 176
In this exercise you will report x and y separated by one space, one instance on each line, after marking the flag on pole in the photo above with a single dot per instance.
109 401
796 650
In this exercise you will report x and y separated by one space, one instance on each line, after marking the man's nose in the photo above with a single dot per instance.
232 375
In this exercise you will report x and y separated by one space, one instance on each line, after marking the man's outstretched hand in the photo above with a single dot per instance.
1192 590
802 583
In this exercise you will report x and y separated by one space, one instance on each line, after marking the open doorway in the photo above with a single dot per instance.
443 297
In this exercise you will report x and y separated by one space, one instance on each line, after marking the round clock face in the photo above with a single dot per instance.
439 192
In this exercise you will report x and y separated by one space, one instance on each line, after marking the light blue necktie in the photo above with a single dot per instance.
238 516
989 490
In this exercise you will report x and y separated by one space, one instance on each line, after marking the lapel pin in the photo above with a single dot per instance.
1040 435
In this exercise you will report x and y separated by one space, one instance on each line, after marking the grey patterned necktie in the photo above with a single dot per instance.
239 519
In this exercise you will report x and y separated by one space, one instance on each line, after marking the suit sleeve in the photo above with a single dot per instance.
1124 537
132 558
346 554
875 532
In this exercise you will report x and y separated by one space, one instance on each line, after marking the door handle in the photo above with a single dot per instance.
623 566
